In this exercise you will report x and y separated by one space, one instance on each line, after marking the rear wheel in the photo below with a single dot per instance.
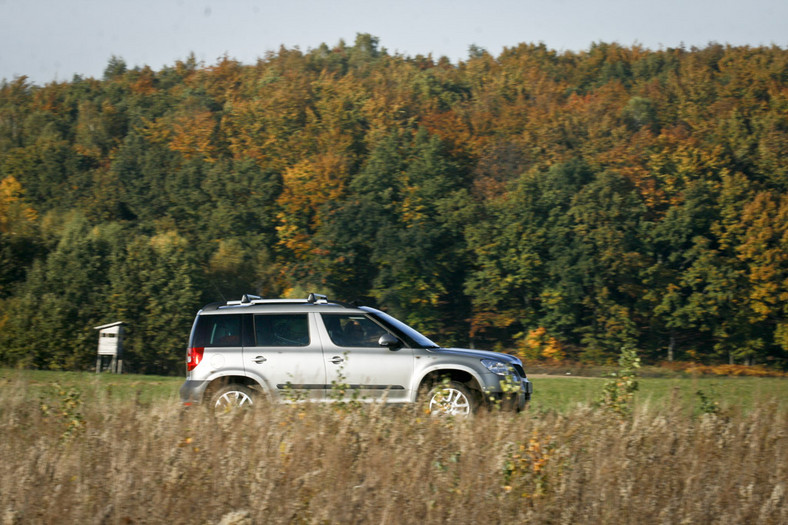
450 399
231 397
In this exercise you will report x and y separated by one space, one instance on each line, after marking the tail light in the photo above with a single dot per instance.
193 357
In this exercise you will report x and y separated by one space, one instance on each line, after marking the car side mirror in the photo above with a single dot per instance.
389 341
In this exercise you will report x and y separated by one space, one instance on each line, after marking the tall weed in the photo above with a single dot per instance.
308 463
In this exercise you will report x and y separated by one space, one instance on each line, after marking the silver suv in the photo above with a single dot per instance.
320 350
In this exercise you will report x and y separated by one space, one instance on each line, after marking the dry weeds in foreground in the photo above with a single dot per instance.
68 462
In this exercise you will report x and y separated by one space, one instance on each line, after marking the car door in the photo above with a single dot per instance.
354 358
287 355
219 338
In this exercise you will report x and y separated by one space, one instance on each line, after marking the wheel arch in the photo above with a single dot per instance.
434 376
221 381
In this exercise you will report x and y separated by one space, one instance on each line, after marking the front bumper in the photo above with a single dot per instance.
511 395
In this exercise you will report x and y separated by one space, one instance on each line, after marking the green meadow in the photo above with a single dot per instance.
551 392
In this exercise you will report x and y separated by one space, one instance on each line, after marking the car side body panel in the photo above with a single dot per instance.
304 350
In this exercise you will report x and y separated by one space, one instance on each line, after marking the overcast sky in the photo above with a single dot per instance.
55 39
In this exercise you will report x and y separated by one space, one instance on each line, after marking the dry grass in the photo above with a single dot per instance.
113 461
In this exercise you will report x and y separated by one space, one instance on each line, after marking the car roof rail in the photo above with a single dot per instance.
316 298
248 299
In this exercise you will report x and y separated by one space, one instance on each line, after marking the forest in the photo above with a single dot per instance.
555 205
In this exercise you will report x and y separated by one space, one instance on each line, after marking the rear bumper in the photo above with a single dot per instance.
192 392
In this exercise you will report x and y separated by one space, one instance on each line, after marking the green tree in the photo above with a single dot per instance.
49 321
154 287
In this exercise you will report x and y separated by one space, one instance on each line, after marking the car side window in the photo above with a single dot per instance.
352 330
282 329
218 330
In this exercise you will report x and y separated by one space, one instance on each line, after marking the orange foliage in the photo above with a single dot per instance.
306 186
722 370
538 344
455 130
193 135
144 83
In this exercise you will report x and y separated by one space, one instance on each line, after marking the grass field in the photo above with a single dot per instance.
731 393
559 393
144 389
81 448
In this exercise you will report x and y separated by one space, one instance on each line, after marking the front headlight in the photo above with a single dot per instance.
497 367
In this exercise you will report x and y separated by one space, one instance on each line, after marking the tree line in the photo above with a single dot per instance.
557 205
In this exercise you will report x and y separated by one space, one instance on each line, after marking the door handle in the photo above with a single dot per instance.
336 359
260 360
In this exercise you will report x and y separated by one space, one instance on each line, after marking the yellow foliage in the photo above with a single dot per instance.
781 335
156 131
764 223
168 241
228 257
411 209
15 215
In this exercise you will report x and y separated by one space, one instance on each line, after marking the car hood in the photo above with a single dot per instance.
481 354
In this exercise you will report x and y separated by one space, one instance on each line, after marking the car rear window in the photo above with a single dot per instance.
217 330
281 329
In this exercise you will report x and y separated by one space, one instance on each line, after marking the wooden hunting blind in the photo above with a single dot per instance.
110 347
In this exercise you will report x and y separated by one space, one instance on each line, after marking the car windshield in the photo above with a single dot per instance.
411 336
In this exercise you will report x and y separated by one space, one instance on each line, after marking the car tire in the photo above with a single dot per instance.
450 398
231 397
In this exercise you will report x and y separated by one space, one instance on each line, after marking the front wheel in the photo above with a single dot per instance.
450 399
231 397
